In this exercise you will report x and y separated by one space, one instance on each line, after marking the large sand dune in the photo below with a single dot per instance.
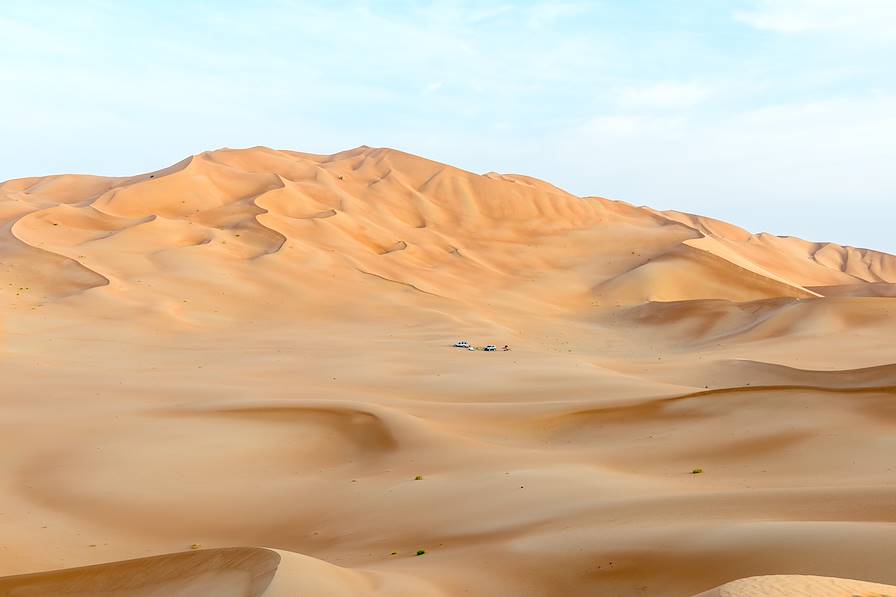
253 347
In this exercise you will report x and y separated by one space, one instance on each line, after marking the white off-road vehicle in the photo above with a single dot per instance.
462 344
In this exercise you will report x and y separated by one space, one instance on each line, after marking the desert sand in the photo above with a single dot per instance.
251 350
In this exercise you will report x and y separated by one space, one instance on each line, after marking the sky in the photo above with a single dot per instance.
776 115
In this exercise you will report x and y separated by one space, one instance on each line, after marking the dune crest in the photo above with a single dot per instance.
257 347
302 217
796 586
235 572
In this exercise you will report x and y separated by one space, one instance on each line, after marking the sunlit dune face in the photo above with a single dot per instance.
258 348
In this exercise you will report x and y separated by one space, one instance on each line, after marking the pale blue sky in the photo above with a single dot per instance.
777 115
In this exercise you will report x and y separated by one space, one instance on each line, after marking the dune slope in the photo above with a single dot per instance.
235 572
254 347
252 218
794 585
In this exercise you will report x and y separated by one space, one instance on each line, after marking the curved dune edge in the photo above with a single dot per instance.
224 572
303 575
259 369
797 585
277 223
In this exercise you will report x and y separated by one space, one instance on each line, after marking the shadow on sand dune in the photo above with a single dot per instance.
225 572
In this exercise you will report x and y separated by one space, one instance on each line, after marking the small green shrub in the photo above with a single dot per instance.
420 552
696 471
418 478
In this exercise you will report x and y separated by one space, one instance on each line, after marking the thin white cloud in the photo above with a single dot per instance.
835 152
629 127
871 17
484 14
663 95
544 13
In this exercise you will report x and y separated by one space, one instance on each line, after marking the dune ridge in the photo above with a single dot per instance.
285 212
254 348
237 572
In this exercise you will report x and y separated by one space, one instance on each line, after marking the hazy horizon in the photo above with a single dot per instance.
774 116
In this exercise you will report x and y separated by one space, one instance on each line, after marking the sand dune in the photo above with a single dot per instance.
802 262
237 572
795 586
253 347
